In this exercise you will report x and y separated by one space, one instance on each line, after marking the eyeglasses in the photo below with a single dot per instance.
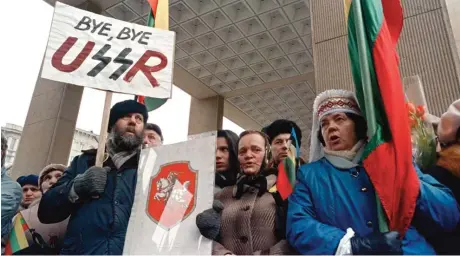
444 145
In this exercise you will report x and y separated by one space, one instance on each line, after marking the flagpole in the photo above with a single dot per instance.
367 88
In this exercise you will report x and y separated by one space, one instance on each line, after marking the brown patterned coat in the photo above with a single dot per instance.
248 224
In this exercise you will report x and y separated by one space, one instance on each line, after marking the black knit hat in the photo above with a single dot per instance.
123 108
155 128
282 126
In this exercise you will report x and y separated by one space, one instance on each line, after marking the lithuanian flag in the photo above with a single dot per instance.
287 169
158 18
373 31
17 240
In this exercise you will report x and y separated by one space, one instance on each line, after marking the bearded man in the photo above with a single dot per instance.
99 199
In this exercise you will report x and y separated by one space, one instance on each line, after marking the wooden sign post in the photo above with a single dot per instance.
103 132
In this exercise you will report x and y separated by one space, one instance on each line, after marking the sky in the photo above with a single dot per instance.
22 55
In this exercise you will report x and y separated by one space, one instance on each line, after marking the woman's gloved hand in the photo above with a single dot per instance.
208 222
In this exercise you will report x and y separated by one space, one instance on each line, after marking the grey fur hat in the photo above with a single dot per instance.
49 168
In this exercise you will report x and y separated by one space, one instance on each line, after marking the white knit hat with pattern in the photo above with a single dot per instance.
327 102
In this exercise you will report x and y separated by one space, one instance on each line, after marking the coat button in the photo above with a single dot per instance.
252 190
244 239
364 189
116 202
369 224
246 208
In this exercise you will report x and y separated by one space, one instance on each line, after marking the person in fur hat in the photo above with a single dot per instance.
447 171
99 199
279 134
152 135
44 239
30 190
333 209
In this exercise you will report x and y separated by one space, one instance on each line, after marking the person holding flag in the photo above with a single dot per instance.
333 208
281 137
361 192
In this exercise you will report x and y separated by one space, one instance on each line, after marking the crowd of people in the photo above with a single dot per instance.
85 209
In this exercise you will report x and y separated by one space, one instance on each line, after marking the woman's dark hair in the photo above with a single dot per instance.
360 128
233 165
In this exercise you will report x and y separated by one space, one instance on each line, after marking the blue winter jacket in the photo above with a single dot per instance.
96 226
11 198
326 201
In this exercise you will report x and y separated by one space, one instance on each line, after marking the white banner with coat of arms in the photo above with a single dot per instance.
173 186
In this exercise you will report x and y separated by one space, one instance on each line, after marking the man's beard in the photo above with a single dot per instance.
118 142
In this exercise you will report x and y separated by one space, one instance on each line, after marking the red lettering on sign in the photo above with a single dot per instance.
56 61
147 70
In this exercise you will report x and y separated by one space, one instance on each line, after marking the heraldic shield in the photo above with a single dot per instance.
172 194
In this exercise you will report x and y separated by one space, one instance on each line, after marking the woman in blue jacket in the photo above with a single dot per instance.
333 209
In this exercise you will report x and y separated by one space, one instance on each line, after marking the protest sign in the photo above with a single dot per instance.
174 184
95 51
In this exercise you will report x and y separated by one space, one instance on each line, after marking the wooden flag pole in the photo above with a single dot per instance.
104 127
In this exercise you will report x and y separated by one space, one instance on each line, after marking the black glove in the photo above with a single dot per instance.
91 183
377 243
208 222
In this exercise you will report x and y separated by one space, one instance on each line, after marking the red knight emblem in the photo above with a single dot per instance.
172 194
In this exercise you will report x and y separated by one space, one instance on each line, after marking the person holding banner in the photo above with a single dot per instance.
99 199
227 166
333 209
242 220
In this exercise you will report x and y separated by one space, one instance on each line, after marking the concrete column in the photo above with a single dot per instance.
426 49
50 124
205 115
453 9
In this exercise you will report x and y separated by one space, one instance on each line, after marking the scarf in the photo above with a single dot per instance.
263 181
346 159
119 157
224 179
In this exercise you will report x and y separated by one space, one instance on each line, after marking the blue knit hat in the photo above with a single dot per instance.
123 108
31 179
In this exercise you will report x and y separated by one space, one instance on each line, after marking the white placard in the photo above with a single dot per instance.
174 184
95 51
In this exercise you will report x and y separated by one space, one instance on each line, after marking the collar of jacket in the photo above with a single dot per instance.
262 181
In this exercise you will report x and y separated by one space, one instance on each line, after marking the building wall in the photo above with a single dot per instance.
82 140
453 9
425 49
12 134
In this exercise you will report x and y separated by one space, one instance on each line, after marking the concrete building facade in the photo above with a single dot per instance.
427 48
